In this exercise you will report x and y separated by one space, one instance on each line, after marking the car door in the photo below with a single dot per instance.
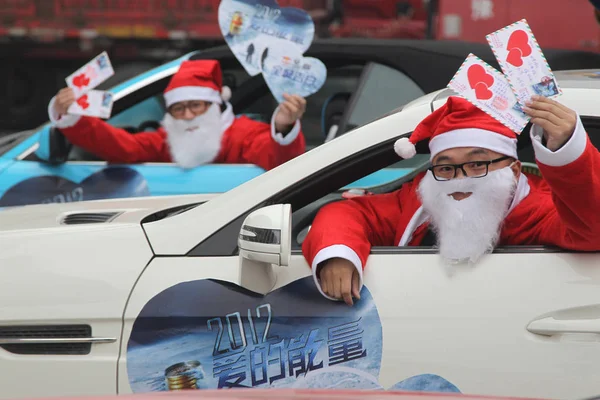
523 322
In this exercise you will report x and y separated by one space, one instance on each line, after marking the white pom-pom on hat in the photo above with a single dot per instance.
404 148
225 93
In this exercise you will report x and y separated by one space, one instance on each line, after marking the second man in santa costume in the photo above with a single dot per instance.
195 129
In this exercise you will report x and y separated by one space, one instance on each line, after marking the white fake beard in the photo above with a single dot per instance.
195 142
469 228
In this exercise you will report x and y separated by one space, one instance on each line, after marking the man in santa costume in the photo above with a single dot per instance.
198 128
472 198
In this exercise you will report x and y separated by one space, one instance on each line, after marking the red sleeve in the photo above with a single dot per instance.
574 221
357 223
116 145
251 142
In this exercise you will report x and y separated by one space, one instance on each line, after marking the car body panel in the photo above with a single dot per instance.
64 275
481 313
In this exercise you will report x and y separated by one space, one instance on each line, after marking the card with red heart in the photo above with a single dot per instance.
523 62
90 75
95 103
488 89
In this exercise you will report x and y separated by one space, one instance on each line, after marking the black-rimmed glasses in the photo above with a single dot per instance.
196 107
471 169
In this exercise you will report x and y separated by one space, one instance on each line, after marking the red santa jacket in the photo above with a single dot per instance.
244 141
560 210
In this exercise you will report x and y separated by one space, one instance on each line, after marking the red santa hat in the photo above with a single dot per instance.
197 80
459 123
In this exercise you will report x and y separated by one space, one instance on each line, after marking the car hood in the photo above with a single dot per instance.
114 211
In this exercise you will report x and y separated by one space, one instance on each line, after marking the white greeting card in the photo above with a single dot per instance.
523 62
489 90
95 103
90 75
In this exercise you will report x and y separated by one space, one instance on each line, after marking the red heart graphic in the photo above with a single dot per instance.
83 102
514 57
519 40
477 74
81 80
482 92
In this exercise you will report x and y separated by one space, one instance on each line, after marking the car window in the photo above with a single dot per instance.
381 89
385 180
308 195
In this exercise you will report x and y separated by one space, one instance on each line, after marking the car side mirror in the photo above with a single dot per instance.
265 240
54 148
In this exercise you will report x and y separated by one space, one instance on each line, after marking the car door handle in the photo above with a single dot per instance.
66 340
550 326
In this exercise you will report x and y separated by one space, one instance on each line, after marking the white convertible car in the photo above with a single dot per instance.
158 294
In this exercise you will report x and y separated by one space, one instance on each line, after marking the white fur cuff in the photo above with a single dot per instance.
570 152
287 139
65 121
336 251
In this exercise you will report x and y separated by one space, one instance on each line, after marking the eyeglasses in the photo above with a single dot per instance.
196 107
471 169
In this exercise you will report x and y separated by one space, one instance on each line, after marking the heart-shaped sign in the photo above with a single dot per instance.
109 183
83 102
291 73
81 81
515 57
519 40
477 74
250 26
482 92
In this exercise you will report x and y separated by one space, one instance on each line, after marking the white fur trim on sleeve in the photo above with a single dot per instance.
570 152
336 251
65 121
278 136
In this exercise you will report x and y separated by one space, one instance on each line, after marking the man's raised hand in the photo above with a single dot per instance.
64 99
557 121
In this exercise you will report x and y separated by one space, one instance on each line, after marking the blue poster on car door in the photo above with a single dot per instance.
211 334
108 183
